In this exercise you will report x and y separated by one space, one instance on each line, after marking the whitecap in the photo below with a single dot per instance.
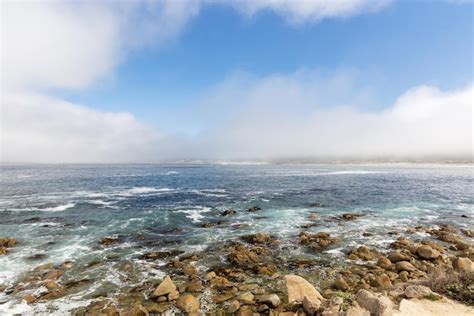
144 190
195 214
59 208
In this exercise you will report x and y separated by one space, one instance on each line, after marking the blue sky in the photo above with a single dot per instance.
146 81
406 44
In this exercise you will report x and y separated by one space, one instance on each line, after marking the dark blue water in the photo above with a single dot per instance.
59 212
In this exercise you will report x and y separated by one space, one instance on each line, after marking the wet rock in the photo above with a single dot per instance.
363 253
155 255
271 300
462 246
298 288
426 252
233 307
229 212
188 304
3 250
53 274
223 297
242 255
464 265
417 291
254 209
108 240
7 242
341 284
350 216
195 286
397 256
263 308
210 275
316 241
404 266
377 305
259 238
213 224
400 243
166 286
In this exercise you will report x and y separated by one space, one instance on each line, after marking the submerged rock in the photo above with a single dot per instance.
254 209
350 216
259 238
229 212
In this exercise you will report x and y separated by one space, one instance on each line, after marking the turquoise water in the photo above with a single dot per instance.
59 212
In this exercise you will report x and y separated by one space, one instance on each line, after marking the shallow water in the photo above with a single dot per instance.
59 212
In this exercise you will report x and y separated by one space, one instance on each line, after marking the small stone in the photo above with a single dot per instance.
246 297
173 296
188 304
233 307
384 262
211 275
271 300
404 266
166 286
340 284
28 298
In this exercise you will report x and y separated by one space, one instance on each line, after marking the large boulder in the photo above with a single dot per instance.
188 304
271 300
397 256
404 266
166 286
300 290
377 305
426 252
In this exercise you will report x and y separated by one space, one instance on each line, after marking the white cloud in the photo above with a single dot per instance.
37 128
298 12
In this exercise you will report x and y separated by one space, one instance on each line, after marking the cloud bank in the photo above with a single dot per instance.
73 45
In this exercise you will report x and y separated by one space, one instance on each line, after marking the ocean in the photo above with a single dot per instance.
60 212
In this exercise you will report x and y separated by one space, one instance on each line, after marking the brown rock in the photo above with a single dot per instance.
28 298
245 311
242 255
173 296
426 252
271 300
138 310
189 269
384 262
382 281
246 297
404 266
298 288
259 238
341 284
311 307
166 286
395 257
403 276
7 242
233 307
417 291
363 253
375 304
188 304
463 265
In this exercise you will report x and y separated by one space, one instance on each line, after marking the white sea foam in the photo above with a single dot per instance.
144 190
59 208
344 172
171 173
195 214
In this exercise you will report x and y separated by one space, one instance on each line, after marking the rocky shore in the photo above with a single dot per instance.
425 271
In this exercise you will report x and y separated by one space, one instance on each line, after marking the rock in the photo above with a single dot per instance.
395 257
166 286
403 276
53 274
426 252
311 307
188 304
3 250
259 238
298 288
363 253
271 300
51 285
173 296
462 246
357 311
138 310
189 269
220 281
233 307
377 305
267 269
404 266
316 241
384 262
263 308
463 265
417 291
108 240
246 297
340 284
28 298
241 255
222 297
7 242
350 216
211 275
154 255
382 281
228 212
468 232
254 209
245 311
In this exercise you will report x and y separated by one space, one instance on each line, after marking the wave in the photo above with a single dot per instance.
144 190
353 172
59 208
195 214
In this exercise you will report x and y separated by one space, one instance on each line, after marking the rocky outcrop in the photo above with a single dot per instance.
363 253
5 243
316 241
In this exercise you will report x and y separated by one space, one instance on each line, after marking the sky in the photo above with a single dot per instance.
151 81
